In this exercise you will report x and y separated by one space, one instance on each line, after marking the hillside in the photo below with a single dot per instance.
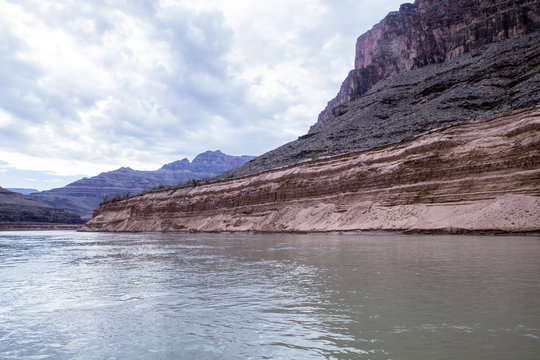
431 64
83 196
19 208
481 175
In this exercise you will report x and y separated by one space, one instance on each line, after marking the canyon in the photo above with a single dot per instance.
477 176
434 130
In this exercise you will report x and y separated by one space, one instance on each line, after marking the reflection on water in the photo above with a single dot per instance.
71 295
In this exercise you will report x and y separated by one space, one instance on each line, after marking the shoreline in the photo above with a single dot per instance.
38 226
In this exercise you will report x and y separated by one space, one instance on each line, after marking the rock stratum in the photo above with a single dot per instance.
479 175
83 196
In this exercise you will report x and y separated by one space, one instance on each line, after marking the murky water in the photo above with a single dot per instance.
68 295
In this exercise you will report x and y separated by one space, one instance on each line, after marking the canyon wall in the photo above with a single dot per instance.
429 32
496 78
479 175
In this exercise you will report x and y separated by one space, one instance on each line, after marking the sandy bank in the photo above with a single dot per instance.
481 175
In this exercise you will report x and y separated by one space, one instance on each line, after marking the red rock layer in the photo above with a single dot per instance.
481 175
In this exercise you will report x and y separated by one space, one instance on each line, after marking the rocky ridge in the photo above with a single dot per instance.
19 208
83 196
479 175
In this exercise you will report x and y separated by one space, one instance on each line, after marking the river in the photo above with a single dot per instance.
69 295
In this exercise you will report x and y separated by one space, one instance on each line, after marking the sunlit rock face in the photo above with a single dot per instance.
429 32
480 175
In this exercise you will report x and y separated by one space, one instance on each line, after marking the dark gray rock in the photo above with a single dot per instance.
494 78
429 32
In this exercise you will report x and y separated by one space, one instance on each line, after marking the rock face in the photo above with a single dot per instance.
479 175
18 208
83 196
429 65
429 32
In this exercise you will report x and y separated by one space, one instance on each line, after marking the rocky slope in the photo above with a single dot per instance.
83 196
479 175
431 64
18 208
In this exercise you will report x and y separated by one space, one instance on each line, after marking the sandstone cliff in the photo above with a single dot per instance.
479 175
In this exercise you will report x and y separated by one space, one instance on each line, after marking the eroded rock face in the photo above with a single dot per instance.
480 175
429 32
495 78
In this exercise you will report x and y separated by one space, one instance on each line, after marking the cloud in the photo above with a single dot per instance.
105 84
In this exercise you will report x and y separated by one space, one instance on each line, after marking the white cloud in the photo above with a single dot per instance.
92 86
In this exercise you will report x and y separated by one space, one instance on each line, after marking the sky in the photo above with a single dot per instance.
91 86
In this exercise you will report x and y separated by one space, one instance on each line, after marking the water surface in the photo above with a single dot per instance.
66 295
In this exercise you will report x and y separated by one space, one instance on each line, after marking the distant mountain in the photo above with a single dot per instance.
23 191
83 196
19 208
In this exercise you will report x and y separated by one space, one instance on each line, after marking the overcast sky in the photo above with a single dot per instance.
90 86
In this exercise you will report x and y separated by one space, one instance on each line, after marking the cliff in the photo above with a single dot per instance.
19 208
83 196
429 32
479 175
429 65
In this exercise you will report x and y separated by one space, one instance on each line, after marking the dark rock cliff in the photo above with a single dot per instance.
429 32
492 79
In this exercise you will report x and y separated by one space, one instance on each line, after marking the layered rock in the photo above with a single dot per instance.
498 77
429 32
480 175
19 208
83 196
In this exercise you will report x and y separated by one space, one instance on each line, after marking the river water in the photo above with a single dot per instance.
68 295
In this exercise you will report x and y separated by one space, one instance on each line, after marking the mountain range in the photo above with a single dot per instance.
83 196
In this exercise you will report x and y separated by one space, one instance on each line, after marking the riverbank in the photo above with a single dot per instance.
477 176
37 226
